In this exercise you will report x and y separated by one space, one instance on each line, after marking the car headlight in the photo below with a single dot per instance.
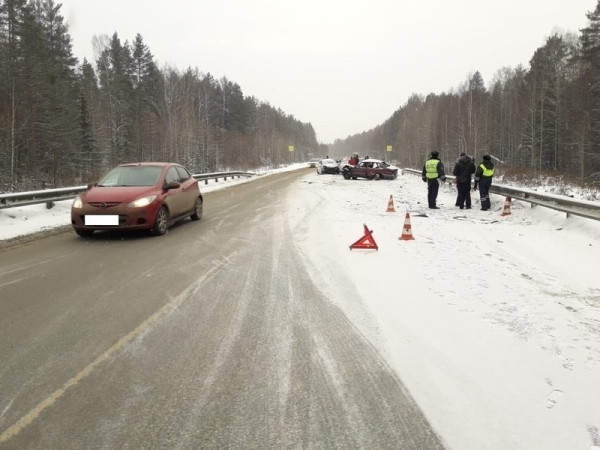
77 203
141 202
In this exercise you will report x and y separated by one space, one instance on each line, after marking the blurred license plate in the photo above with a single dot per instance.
111 219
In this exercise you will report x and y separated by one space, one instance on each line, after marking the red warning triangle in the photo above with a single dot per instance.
366 241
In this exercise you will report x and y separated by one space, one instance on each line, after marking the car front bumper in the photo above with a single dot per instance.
125 218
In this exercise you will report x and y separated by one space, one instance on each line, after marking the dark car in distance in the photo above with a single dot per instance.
138 196
372 169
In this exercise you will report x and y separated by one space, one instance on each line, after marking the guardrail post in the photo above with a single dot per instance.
49 205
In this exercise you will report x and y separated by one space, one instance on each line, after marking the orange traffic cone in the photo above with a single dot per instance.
506 210
366 241
407 230
390 207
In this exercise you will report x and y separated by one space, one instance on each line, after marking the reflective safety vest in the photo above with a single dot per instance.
431 168
487 173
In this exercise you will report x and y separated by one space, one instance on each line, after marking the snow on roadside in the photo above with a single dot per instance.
24 220
492 322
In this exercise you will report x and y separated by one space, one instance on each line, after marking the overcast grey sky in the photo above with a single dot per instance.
343 65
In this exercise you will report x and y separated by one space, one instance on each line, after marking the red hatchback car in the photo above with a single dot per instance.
138 196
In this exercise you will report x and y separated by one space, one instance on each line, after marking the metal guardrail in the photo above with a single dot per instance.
582 208
568 205
49 196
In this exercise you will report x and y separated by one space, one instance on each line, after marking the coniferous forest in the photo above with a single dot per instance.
64 122
541 119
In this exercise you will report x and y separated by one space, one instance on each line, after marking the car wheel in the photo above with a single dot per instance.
346 175
84 233
161 223
197 214
377 176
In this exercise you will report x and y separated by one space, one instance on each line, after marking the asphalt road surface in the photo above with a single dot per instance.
212 336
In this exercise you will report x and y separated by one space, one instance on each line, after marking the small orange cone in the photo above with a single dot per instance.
390 207
506 210
366 241
407 230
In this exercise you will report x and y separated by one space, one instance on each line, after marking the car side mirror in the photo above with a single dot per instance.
172 185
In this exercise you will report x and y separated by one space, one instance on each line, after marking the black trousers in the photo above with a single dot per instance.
464 194
433 186
484 193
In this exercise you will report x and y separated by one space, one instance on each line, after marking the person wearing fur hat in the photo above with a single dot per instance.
483 179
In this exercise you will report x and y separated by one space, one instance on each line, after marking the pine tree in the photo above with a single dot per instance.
115 70
55 99
547 82
146 82
590 56
12 24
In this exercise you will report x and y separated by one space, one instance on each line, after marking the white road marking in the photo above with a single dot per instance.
34 413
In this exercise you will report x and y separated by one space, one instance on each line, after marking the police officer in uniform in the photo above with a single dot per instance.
432 171
483 178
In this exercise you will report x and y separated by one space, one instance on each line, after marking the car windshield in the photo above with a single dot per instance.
132 176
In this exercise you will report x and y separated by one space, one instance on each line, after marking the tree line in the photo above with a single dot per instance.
65 123
542 119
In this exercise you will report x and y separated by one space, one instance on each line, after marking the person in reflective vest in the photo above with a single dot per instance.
483 179
433 171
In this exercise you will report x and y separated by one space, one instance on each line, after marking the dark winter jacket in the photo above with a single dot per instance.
463 169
